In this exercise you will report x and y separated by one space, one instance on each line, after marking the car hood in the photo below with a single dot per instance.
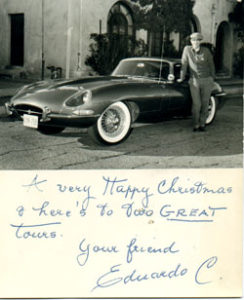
53 93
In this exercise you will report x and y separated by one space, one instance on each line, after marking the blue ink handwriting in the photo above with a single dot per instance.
119 186
86 249
20 210
43 211
133 248
131 211
198 187
28 231
189 215
208 264
76 189
35 184
104 210
109 279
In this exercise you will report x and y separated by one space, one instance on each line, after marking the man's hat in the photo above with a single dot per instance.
196 36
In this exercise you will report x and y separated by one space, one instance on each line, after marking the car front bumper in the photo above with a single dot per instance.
85 118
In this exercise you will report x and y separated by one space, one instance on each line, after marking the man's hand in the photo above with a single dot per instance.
179 80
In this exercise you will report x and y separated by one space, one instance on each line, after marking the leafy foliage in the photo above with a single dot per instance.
168 15
237 17
170 50
238 64
154 16
108 49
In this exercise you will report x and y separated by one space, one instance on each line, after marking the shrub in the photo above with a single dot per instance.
238 62
108 49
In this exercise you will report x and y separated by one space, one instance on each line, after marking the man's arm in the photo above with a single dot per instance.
184 64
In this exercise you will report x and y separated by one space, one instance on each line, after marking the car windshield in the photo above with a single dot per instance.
142 68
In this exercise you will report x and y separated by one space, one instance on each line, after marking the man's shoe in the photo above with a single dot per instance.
195 129
202 128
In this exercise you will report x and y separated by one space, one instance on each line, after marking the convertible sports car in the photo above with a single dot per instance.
139 88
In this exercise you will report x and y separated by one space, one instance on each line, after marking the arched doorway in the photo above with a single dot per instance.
223 49
121 31
195 24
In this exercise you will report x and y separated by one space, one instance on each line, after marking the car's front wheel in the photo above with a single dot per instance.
113 126
212 109
50 130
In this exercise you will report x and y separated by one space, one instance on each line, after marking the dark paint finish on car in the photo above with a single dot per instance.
139 88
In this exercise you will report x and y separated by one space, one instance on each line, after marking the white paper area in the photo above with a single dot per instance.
184 226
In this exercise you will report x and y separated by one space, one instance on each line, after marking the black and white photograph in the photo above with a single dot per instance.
121 154
107 84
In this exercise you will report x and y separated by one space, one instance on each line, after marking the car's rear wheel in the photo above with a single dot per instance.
113 126
212 109
50 130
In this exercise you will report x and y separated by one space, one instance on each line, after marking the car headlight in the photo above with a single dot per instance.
87 96
79 98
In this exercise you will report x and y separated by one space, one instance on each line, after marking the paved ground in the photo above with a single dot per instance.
169 144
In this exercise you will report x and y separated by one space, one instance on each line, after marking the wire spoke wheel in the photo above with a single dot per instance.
114 125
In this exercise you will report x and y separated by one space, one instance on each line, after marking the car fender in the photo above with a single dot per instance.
219 93
134 109
122 92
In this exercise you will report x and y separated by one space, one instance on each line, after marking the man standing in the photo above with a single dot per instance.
199 60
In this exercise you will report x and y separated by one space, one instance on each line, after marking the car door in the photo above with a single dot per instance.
158 85
180 93
150 87
180 99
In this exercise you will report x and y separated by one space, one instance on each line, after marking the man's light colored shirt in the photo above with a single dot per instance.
200 63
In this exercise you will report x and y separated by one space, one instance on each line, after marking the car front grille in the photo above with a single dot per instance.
22 109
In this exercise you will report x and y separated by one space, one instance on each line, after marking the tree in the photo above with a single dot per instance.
173 15
164 16
105 53
155 16
237 18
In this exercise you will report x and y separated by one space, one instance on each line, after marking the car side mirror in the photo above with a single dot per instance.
171 78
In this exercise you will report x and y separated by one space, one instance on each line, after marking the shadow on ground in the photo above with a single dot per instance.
171 138
175 138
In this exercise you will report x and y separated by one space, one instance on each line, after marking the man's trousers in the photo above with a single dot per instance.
201 89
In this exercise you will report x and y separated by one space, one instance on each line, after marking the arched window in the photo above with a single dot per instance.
120 20
121 32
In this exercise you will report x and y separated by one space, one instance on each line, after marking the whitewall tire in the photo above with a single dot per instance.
113 126
212 109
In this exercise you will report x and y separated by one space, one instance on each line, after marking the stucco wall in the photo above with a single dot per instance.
69 23
32 27
94 18
55 32
55 21
67 29
210 14
86 17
